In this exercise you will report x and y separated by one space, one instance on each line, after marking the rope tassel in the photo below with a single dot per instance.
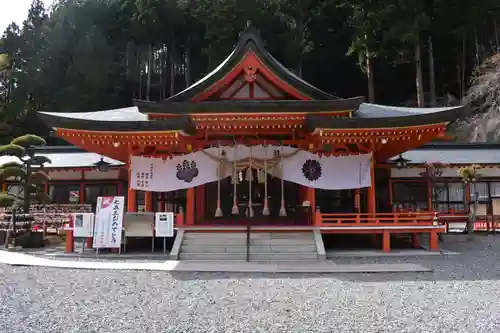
218 211
235 210
282 208
250 178
265 210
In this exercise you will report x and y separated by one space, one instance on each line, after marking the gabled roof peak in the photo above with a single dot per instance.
250 42
250 31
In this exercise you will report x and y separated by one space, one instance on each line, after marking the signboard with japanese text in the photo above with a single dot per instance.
108 222
164 224
83 225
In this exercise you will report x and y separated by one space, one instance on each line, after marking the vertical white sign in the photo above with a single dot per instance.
83 225
164 224
108 222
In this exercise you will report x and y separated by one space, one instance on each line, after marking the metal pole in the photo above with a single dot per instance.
248 242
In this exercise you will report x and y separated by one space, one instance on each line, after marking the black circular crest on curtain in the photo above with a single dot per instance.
311 169
187 171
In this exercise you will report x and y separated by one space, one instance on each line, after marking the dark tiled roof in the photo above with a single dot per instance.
283 106
378 116
52 120
250 40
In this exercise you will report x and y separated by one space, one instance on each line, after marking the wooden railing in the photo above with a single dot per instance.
376 219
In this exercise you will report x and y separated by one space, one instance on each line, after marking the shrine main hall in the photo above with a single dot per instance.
253 144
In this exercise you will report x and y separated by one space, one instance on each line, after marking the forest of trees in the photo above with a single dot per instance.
86 55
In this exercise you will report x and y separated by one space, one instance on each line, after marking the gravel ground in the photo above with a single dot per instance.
461 295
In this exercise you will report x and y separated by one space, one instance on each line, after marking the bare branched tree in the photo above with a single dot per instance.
483 99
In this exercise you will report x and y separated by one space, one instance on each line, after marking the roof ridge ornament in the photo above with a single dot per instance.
249 29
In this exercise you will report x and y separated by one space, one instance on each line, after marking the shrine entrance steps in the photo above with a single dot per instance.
263 246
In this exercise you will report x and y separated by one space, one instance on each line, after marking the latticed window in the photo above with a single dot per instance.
449 197
410 196
92 192
65 193
495 189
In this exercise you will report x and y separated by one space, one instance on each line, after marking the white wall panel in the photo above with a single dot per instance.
65 175
406 173
447 172
96 175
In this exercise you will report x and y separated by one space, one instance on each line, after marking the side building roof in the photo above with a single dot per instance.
66 157
454 154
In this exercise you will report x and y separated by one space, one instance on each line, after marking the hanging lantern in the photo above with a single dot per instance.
401 162
102 165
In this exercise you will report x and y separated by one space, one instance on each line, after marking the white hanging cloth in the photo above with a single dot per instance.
327 172
291 164
181 172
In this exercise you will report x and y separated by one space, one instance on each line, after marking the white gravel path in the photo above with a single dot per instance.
462 295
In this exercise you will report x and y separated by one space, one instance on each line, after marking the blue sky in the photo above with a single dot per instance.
15 11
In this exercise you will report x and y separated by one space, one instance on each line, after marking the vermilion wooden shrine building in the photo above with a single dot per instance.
252 99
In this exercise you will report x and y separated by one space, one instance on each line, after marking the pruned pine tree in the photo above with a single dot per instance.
25 169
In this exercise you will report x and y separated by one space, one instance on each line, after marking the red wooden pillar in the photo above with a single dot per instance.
386 241
190 206
132 201
70 243
179 219
415 239
148 200
311 197
433 241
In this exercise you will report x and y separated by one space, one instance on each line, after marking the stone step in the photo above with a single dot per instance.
281 235
212 256
215 235
291 242
213 242
253 249
264 246
242 242
262 257
243 235
283 256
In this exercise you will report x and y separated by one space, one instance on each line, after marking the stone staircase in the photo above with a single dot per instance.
264 246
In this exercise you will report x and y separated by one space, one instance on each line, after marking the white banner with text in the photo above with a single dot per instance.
108 222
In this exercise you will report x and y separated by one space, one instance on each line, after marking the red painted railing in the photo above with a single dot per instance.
376 219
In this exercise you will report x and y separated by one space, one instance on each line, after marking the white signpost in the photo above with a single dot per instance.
109 222
83 225
164 227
